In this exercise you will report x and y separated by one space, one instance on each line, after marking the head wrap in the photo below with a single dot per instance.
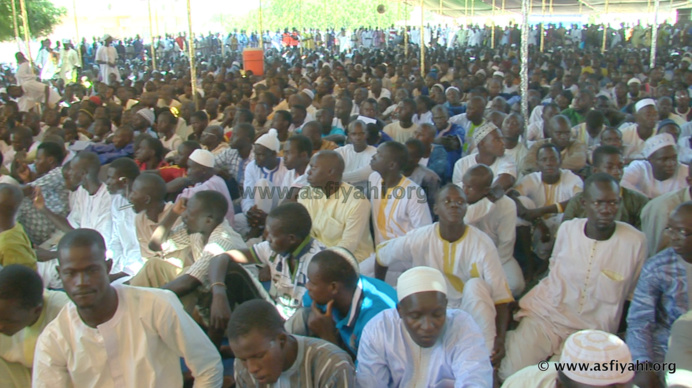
655 143
499 74
453 88
148 114
270 140
634 81
439 86
96 100
643 103
309 93
595 346
420 279
106 37
203 157
481 132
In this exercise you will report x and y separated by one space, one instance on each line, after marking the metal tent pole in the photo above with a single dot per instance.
25 24
524 72
151 34
16 26
605 29
422 40
191 53
654 36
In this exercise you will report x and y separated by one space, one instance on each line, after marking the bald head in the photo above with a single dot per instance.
326 169
10 199
332 160
153 185
428 129
684 209
88 161
476 182
449 187
482 173
215 130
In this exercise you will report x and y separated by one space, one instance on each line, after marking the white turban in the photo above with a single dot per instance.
148 115
595 346
202 157
655 143
634 81
270 140
420 279
309 93
643 103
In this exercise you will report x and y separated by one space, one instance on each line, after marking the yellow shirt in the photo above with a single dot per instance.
20 347
15 248
341 220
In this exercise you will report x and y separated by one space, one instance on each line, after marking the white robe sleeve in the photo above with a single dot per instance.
396 249
372 369
248 199
50 365
185 337
115 243
471 363
457 175
632 176
418 209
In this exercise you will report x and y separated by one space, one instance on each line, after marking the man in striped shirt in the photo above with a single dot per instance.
267 356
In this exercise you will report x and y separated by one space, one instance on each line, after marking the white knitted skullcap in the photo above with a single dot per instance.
420 279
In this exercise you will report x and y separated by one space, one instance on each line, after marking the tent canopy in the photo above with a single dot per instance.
455 8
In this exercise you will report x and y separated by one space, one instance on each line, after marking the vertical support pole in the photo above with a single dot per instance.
422 40
654 35
605 29
191 53
492 31
25 25
406 31
524 71
543 25
261 27
16 26
300 12
78 46
153 43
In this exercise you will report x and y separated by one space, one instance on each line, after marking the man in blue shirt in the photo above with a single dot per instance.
661 296
339 302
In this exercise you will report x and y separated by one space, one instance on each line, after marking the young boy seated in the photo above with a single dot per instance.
284 255
26 308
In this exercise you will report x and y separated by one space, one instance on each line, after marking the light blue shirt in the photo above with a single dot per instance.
371 297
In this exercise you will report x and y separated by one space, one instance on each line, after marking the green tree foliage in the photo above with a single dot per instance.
43 16
280 14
